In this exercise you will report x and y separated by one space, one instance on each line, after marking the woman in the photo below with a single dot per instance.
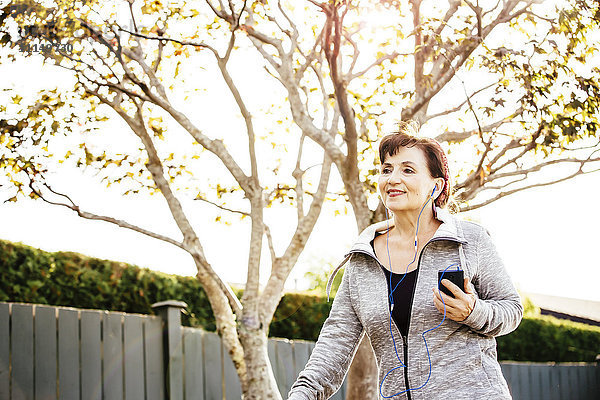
428 345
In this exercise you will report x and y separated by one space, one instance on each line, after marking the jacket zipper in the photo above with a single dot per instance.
405 343
412 296
405 338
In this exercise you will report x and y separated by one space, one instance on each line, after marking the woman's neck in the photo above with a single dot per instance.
405 224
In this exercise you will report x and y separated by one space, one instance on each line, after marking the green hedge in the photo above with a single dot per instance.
544 338
299 316
70 279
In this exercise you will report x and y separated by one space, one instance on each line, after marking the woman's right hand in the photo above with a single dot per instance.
459 307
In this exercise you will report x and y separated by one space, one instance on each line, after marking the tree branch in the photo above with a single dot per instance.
461 105
308 59
468 100
282 268
333 37
295 33
168 39
233 30
300 114
214 146
191 241
454 4
220 13
538 167
262 37
419 56
442 73
504 194
459 136
377 62
97 217
354 55
298 174
527 147
270 242
244 213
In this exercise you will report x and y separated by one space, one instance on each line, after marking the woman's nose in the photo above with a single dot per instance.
394 177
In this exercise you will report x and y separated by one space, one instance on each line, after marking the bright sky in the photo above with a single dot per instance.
546 236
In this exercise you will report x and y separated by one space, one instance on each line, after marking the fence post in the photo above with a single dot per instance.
170 313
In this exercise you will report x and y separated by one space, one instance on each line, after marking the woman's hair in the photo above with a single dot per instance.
406 136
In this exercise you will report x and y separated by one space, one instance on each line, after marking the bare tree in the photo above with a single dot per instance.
115 68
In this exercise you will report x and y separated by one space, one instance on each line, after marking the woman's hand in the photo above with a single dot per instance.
459 307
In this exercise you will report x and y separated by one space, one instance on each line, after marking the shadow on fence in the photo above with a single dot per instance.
67 353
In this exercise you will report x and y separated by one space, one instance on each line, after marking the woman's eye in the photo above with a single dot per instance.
389 171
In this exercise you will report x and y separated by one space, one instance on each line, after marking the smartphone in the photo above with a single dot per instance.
456 277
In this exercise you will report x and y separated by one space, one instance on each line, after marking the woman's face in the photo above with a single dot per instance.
404 181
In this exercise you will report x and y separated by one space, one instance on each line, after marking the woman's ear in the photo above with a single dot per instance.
442 184
439 187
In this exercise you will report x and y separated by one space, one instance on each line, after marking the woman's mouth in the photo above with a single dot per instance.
395 193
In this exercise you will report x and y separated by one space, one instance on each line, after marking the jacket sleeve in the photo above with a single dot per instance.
331 357
498 310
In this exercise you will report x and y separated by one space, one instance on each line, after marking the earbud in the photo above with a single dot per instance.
434 189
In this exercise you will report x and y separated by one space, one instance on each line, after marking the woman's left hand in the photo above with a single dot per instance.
459 307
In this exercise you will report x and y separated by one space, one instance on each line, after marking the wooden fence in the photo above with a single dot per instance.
577 381
67 353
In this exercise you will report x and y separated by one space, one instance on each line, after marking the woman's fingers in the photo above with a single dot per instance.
447 300
453 288
458 307
437 301
469 288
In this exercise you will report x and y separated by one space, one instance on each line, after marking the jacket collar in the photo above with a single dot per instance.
449 230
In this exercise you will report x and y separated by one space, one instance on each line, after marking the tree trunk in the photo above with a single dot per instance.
260 382
362 377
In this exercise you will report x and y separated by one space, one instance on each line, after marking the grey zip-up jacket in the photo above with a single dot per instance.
463 354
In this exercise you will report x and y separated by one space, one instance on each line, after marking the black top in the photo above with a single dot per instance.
402 295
